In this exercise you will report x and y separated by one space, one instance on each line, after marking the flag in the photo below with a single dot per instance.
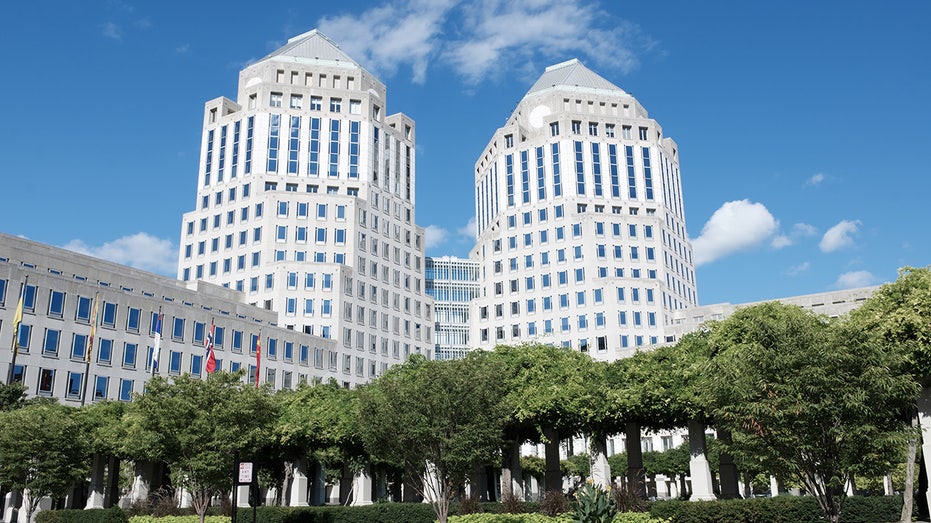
211 358
158 341
18 318
90 339
258 357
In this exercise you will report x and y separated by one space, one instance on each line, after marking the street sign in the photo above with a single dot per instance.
246 475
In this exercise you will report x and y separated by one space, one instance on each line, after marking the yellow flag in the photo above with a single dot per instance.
17 319
90 339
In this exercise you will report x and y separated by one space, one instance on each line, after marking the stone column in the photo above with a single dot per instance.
362 487
699 469
598 454
512 480
242 496
730 478
298 483
553 476
318 492
12 503
95 495
773 486
345 485
112 494
636 477
924 420
143 476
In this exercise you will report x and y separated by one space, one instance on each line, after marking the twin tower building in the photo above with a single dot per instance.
306 200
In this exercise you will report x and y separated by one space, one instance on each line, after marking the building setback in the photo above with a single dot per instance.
305 203
60 290
581 236
453 283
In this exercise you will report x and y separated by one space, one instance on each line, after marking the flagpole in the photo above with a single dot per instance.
90 348
17 319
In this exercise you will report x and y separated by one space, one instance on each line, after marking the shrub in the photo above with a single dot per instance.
594 505
99 515
781 509
553 503
510 504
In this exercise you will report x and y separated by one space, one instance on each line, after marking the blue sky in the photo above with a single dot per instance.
803 127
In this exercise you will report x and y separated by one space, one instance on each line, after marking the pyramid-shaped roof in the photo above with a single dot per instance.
573 74
313 45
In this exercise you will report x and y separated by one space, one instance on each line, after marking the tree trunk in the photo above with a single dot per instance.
908 494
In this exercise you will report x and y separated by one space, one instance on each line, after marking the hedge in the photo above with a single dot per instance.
781 509
96 515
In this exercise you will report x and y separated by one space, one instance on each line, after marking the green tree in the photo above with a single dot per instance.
41 450
12 396
198 427
810 399
439 419
899 316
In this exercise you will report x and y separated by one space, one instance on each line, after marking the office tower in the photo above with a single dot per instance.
453 283
581 232
305 203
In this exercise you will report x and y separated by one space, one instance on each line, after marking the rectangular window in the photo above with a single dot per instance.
101 384
46 382
105 351
126 389
274 133
56 303
75 380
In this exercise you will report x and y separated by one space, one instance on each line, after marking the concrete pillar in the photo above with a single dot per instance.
12 503
478 483
112 493
143 477
512 477
598 454
662 486
299 483
345 485
362 487
242 496
773 486
44 504
271 497
95 495
674 488
185 501
318 491
699 468
636 477
888 490
553 476
730 478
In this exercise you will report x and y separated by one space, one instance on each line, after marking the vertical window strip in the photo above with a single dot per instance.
615 181
354 149
222 162
250 129
579 170
234 164
334 148
647 173
313 148
294 143
524 178
557 181
631 175
596 168
208 163
509 177
541 177
274 132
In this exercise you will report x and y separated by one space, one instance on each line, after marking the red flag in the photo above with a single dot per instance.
211 358
258 357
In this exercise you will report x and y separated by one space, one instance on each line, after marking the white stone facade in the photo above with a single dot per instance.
453 283
305 203
581 232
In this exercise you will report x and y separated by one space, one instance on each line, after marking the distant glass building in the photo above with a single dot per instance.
453 283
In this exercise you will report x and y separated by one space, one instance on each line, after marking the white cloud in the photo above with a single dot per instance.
434 236
815 180
781 241
804 229
485 38
839 236
736 226
113 31
854 279
798 269
139 250
182 49
468 230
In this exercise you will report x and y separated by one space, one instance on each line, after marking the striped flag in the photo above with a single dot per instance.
158 341
211 365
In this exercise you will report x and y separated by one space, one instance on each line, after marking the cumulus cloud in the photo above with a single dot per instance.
736 226
140 250
799 230
112 31
798 269
854 279
781 241
804 229
814 180
468 230
839 236
486 38
434 235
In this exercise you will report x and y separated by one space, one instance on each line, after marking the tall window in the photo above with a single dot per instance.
294 143
334 148
274 132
